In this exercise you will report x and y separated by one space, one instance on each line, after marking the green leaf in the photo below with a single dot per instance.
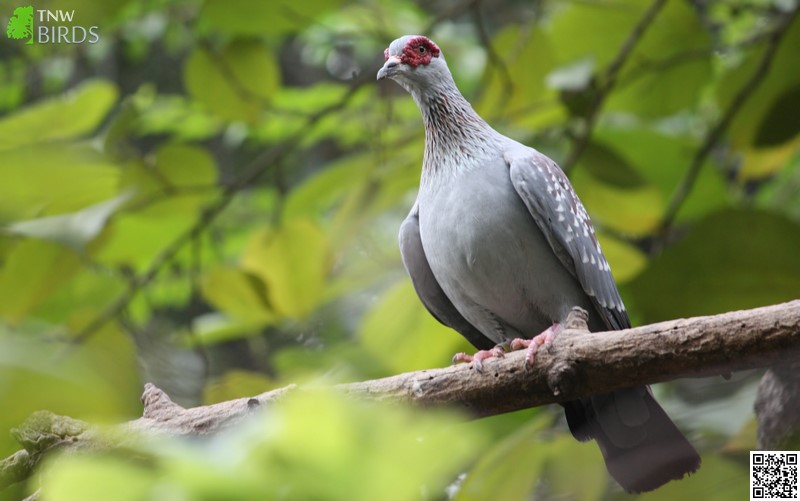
73 114
625 259
135 239
258 18
82 477
328 186
213 328
237 293
31 272
292 260
53 179
609 167
498 475
178 181
185 166
633 212
177 115
566 456
233 83
669 67
777 126
659 78
77 301
253 66
96 380
662 160
780 193
762 119
528 57
731 260
404 336
760 163
314 435
307 100
73 230
582 29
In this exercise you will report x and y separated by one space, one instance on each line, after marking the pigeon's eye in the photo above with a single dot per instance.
421 49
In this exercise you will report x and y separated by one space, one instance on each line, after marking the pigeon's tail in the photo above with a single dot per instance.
642 447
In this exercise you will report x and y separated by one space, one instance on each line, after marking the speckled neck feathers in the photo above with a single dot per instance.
456 137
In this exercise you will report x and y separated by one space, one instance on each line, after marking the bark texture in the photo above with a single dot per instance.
577 364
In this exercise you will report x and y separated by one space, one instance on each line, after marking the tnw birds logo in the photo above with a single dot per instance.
48 27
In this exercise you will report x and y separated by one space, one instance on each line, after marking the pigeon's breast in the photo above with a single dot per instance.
490 257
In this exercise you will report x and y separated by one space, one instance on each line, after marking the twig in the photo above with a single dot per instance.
256 168
611 74
715 134
495 60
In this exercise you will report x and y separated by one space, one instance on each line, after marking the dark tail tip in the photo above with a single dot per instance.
651 465
659 452
664 455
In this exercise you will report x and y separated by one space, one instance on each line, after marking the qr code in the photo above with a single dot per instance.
773 475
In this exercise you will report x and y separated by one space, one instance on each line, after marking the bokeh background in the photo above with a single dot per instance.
208 199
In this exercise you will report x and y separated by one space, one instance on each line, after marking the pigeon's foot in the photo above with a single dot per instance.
477 359
531 346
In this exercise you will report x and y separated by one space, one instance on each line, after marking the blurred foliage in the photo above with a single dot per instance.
222 182
284 453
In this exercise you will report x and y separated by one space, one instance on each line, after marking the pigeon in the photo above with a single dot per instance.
499 247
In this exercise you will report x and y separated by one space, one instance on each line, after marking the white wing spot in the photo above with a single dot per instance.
585 231
584 256
560 217
560 208
593 261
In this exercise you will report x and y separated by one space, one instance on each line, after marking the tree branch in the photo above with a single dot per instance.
577 364
611 74
715 133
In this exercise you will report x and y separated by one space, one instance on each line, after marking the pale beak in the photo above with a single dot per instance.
388 67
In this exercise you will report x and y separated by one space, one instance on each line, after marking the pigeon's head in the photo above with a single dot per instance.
415 62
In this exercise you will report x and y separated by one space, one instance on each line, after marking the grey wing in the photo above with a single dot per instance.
426 286
551 201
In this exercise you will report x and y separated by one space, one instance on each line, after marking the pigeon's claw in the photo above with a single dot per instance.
531 346
478 358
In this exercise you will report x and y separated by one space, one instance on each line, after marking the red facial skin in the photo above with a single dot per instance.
418 50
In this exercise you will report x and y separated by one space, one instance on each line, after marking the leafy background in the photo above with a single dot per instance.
209 197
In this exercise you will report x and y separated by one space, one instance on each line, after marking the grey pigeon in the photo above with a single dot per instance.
499 247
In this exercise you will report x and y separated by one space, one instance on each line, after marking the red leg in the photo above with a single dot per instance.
478 358
532 345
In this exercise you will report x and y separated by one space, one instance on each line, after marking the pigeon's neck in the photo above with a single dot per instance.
456 138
